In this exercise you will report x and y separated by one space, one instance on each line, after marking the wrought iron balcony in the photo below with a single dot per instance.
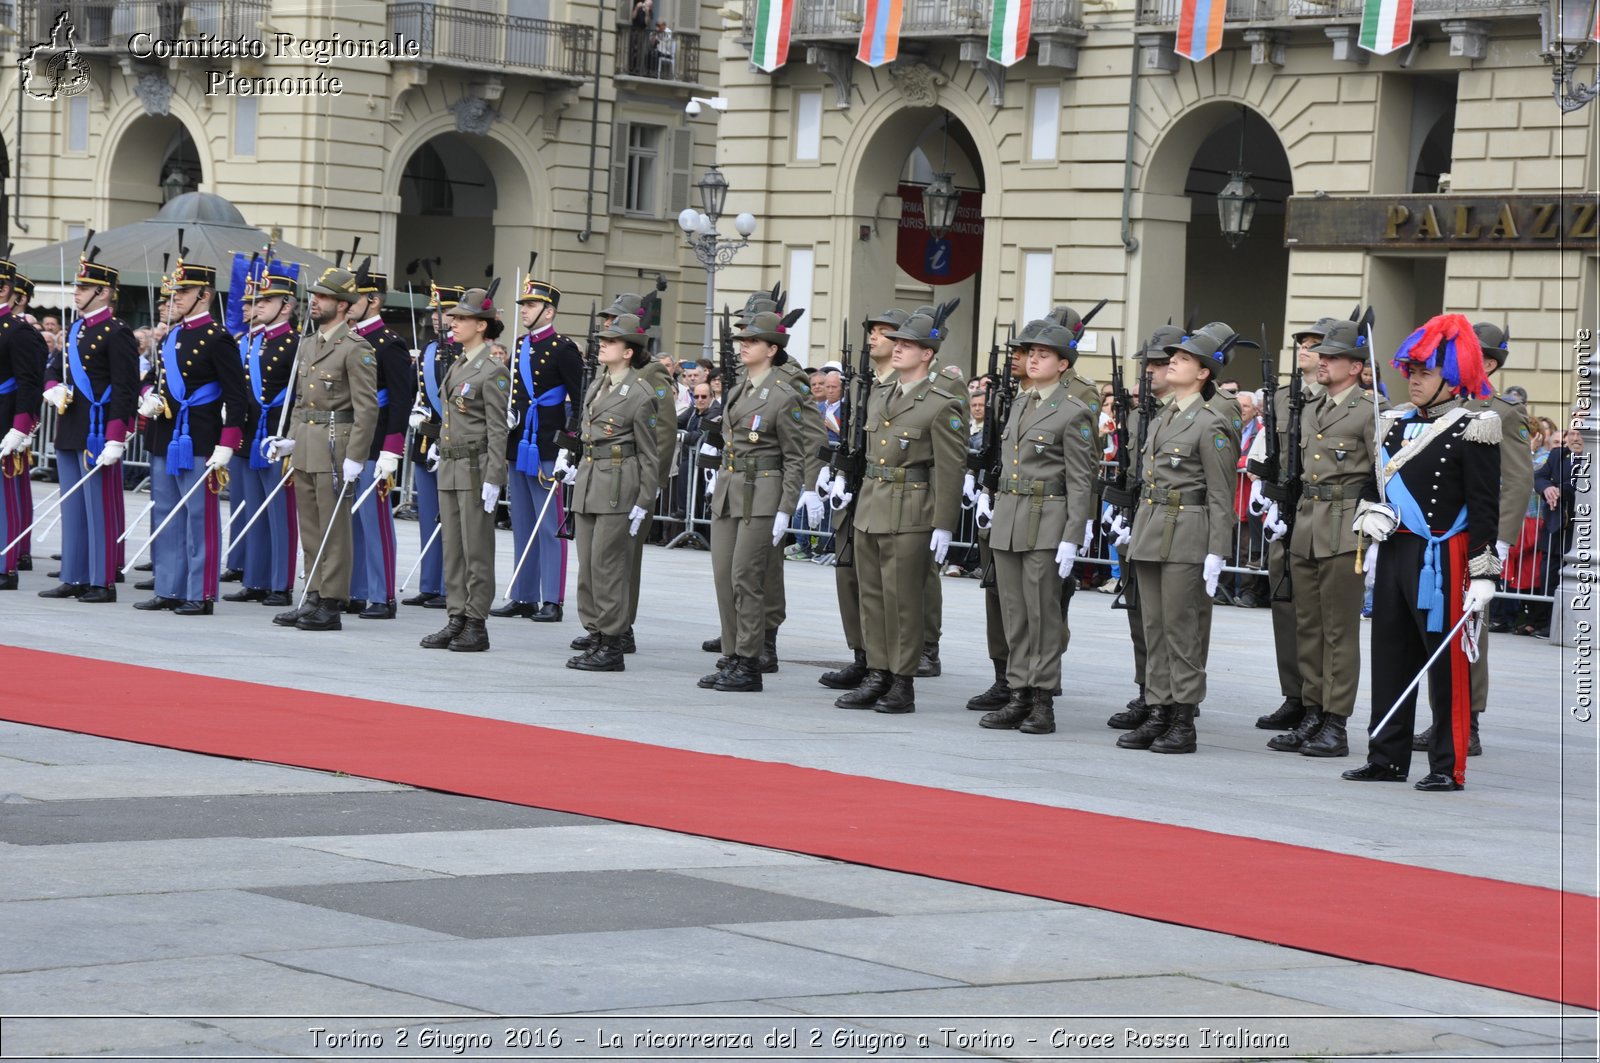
103 27
642 54
823 21
493 42
1314 12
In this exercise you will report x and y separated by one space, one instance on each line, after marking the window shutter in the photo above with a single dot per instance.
679 188
619 167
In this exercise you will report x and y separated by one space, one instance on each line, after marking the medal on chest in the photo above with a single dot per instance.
755 425
462 395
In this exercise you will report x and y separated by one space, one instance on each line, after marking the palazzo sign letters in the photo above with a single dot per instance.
1444 222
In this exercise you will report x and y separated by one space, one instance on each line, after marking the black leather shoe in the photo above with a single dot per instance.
355 605
151 605
1180 734
1420 742
899 698
1498 627
928 664
873 686
306 608
513 609
583 642
277 600
194 609
712 645
8 581
379 610
1329 741
1370 772
54 573
547 613
440 639
1310 724
1438 784
743 678
1132 715
1285 717
74 590
606 656
998 694
417 599
1042 720
232 575
767 662
474 637
245 594
1154 726
438 601
98 595
849 677
25 563
145 585
325 617
1011 716
625 643
145 566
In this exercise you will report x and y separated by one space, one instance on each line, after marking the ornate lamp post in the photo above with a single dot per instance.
1236 203
713 251
939 203
1567 28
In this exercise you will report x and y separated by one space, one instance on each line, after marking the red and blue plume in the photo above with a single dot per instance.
1447 343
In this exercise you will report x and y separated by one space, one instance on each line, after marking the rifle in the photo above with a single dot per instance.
1115 488
574 441
1128 595
728 372
854 440
1000 396
834 453
1280 478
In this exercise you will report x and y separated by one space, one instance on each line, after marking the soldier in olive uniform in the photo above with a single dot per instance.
613 488
472 470
331 424
1337 444
757 488
426 416
1183 530
910 503
654 376
1045 496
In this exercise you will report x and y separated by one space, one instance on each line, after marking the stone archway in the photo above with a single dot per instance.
147 150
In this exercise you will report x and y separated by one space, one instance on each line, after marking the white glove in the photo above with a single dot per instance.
636 517
418 418
57 397
710 451
111 453
277 447
1375 520
983 510
813 503
1212 570
1272 526
1066 555
491 497
352 471
388 463
711 481
780 524
969 492
12 443
1119 528
1258 501
1502 550
940 545
150 404
1370 565
825 480
563 466
1088 536
1480 592
220 456
433 458
838 497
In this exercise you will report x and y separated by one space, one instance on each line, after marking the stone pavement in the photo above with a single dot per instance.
175 895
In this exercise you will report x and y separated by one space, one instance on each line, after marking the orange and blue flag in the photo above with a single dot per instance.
1200 28
880 32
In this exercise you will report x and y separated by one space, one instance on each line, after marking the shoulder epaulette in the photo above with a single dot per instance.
942 393
1483 427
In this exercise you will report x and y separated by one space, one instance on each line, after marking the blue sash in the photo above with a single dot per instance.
252 362
1430 583
180 452
383 398
80 380
528 446
429 382
8 385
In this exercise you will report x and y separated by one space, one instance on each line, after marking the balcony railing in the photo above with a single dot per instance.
643 54
490 41
1291 12
102 26
842 19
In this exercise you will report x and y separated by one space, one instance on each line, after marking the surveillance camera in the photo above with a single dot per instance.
692 107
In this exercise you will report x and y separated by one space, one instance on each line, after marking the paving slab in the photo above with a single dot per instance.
886 892
158 776
581 972
490 906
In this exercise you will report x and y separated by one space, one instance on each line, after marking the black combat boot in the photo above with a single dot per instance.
1132 715
744 677
1329 741
1310 723
998 694
1285 717
1154 726
584 642
1180 735
326 617
356 606
1474 747
708 682
768 660
305 608
474 637
712 645
606 656
873 686
849 677
1016 709
900 698
928 664
625 643
441 639
1042 720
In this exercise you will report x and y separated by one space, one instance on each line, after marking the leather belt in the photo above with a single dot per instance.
466 450
1042 488
327 416
902 474
1328 492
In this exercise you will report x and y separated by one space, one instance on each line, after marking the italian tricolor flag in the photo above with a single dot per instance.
769 49
1008 31
1385 25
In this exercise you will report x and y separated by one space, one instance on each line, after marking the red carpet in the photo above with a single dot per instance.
1524 939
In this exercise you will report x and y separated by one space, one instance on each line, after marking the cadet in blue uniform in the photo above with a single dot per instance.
266 555
426 416
94 394
547 374
372 579
22 361
195 399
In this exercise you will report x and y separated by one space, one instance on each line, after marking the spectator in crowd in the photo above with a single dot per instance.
692 422
1230 387
1516 394
639 23
1553 481
978 420
716 387
684 399
498 352
50 323
1526 566
663 52
832 400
